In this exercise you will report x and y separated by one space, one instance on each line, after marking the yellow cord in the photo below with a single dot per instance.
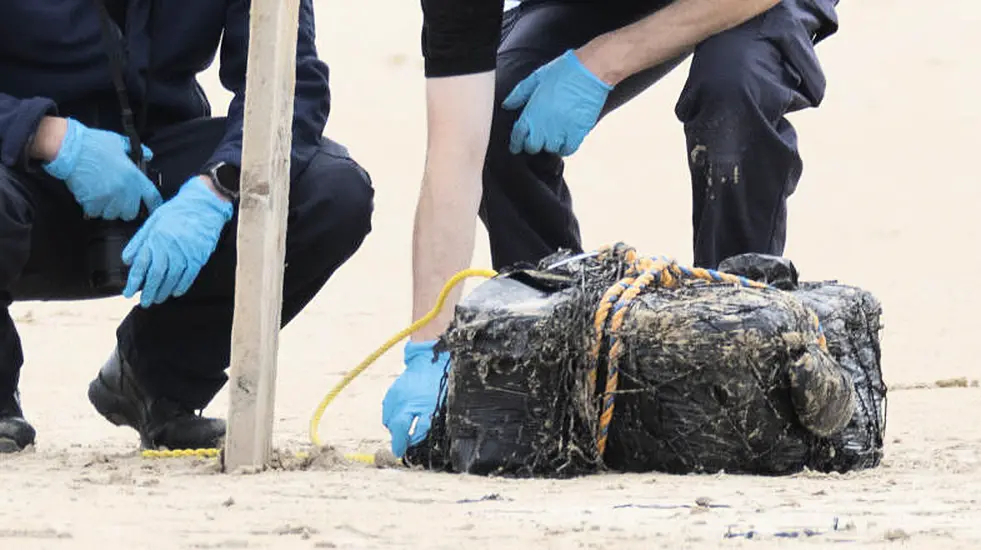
315 420
348 378
181 453
212 453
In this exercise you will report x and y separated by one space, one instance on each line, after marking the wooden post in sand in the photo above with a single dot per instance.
270 81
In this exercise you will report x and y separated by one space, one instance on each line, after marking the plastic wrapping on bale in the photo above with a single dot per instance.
851 318
517 384
513 373
716 378
712 377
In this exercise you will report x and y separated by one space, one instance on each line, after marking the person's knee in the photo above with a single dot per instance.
512 67
503 119
720 114
351 197
735 87
504 170
334 201
358 198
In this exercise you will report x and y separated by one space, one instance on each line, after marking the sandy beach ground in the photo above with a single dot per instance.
888 202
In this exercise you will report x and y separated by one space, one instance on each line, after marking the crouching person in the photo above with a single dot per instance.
83 182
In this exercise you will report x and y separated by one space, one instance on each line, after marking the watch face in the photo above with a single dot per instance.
228 176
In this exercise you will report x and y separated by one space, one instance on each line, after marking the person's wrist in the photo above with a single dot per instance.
224 178
210 184
599 58
48 139
414 348
58 143
203 189
425 349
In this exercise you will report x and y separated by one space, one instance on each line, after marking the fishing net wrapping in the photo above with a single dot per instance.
712 377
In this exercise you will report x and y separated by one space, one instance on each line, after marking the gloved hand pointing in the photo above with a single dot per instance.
415 394
168 252
562 100
105 182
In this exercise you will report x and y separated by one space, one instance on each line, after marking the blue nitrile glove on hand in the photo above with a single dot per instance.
105 182
415 394
168 252
564 100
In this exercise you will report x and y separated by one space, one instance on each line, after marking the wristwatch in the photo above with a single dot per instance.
225 177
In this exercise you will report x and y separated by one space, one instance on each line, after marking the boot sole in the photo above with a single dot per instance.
114 408
8 445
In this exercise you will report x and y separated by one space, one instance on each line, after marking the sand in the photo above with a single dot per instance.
888 201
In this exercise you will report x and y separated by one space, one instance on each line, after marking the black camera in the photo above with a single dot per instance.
104 249
108 238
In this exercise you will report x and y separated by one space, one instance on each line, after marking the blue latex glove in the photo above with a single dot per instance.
94 165
564 100
415 394
168 252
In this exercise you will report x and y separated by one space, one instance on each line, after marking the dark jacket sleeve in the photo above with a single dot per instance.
460 36
312 96
18 123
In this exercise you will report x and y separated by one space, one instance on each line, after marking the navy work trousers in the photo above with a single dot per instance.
179 349
742 151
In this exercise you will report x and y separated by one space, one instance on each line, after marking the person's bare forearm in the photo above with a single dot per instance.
459 112
664 35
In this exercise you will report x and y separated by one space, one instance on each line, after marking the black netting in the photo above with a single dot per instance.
711 376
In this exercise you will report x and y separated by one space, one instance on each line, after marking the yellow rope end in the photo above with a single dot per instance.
214 453
361 457
180 453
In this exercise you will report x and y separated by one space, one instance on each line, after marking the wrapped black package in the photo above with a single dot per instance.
718 378
851 320
516 389
711 376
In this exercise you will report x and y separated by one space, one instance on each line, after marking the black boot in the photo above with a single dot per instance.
161 423
15 433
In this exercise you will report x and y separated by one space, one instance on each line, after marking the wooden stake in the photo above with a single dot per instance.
270 83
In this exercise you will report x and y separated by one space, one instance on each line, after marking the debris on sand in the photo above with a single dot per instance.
319 458
303 531
957 382
33 534
485 498
893 535
384 458
701 503
952 383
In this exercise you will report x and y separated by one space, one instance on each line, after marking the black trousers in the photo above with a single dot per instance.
179 349
742 151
